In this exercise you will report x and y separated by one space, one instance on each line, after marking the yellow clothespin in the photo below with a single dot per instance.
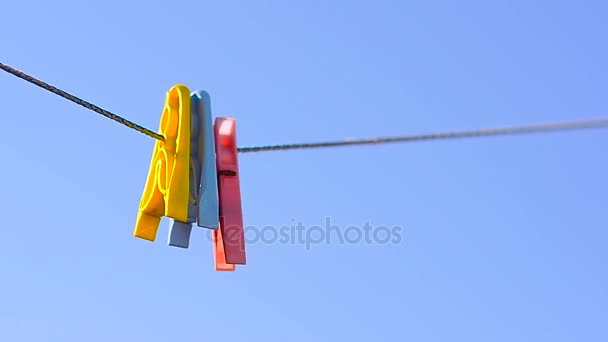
167 188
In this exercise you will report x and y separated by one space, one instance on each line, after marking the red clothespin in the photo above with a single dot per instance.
229 241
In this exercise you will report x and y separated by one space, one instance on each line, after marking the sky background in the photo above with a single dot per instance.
503 239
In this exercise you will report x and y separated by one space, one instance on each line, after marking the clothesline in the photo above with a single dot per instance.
474 133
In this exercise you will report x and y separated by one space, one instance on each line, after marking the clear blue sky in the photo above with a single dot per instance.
504 239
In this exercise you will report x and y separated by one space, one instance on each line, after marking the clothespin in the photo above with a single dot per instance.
167 188
208 209
229 240
203 206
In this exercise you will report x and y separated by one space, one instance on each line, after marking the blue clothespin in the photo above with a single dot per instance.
203 206
208 202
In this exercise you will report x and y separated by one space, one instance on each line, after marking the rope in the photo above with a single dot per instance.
511 130
81 102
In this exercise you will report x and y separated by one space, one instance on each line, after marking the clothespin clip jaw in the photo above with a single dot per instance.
229 241
166 192
219 253
203 206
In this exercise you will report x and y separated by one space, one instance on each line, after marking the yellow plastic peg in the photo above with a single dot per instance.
167 188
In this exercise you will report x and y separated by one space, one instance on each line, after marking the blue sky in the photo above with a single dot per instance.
502 239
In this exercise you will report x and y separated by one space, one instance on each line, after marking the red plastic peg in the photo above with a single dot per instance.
232 234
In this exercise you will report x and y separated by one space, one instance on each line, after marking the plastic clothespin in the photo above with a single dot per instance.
167 188
208 202
229 240
203 205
